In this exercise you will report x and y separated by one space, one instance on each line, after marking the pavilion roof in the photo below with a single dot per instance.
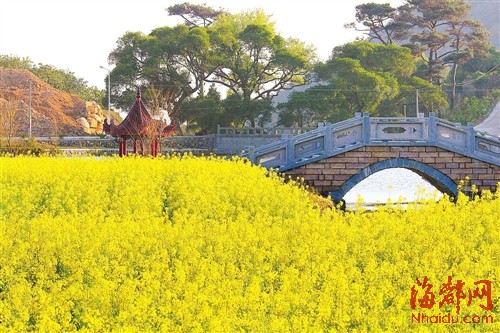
138 122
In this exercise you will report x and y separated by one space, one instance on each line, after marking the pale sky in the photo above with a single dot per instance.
78 35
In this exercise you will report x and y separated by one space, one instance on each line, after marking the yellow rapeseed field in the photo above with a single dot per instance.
186 244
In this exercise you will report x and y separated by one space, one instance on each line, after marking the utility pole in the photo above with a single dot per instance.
109 92
416 102
30 109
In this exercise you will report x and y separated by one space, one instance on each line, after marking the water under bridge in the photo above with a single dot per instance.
335 157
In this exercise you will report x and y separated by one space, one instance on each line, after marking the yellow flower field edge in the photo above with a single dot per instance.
185 244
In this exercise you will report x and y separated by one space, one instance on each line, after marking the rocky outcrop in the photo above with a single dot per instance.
92 119
54 112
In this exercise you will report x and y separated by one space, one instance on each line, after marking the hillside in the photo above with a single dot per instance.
54 112
489 14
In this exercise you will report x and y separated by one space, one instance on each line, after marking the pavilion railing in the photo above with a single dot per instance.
331 139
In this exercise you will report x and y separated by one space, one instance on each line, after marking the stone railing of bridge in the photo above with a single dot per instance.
237 131
335 157
334 139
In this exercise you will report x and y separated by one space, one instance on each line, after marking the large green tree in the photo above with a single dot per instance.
379 22
356 88
170 63
438 31
241 52
363 77
446 36
254 62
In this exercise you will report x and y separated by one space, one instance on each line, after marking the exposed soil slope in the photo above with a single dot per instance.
54 112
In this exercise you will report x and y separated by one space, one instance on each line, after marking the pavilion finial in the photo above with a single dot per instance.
138 93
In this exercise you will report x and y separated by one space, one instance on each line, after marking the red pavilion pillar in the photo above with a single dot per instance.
153 146
120 146
135 146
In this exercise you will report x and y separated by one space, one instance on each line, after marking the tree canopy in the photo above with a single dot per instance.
194 15
254 61
439 32
362 77
378 21
444 33
241 52
169 61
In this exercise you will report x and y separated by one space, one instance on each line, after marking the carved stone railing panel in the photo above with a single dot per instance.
451 135
397 129
348 136
273 159
310 147
488 146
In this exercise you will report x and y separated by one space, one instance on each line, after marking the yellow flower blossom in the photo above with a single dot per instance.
181 243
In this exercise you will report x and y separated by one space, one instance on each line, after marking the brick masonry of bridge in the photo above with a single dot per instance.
330 174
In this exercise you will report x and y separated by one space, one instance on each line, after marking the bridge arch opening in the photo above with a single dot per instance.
393 184
386 178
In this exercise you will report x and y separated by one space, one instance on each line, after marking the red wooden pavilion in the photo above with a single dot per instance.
138 125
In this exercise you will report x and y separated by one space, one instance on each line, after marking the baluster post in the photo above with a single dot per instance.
432 128
250 150
290 148
366 128
328 137
471 138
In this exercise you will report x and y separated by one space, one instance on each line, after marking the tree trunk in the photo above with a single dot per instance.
178 128
453 86
202 88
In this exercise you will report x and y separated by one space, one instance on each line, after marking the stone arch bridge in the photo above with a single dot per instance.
335 157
